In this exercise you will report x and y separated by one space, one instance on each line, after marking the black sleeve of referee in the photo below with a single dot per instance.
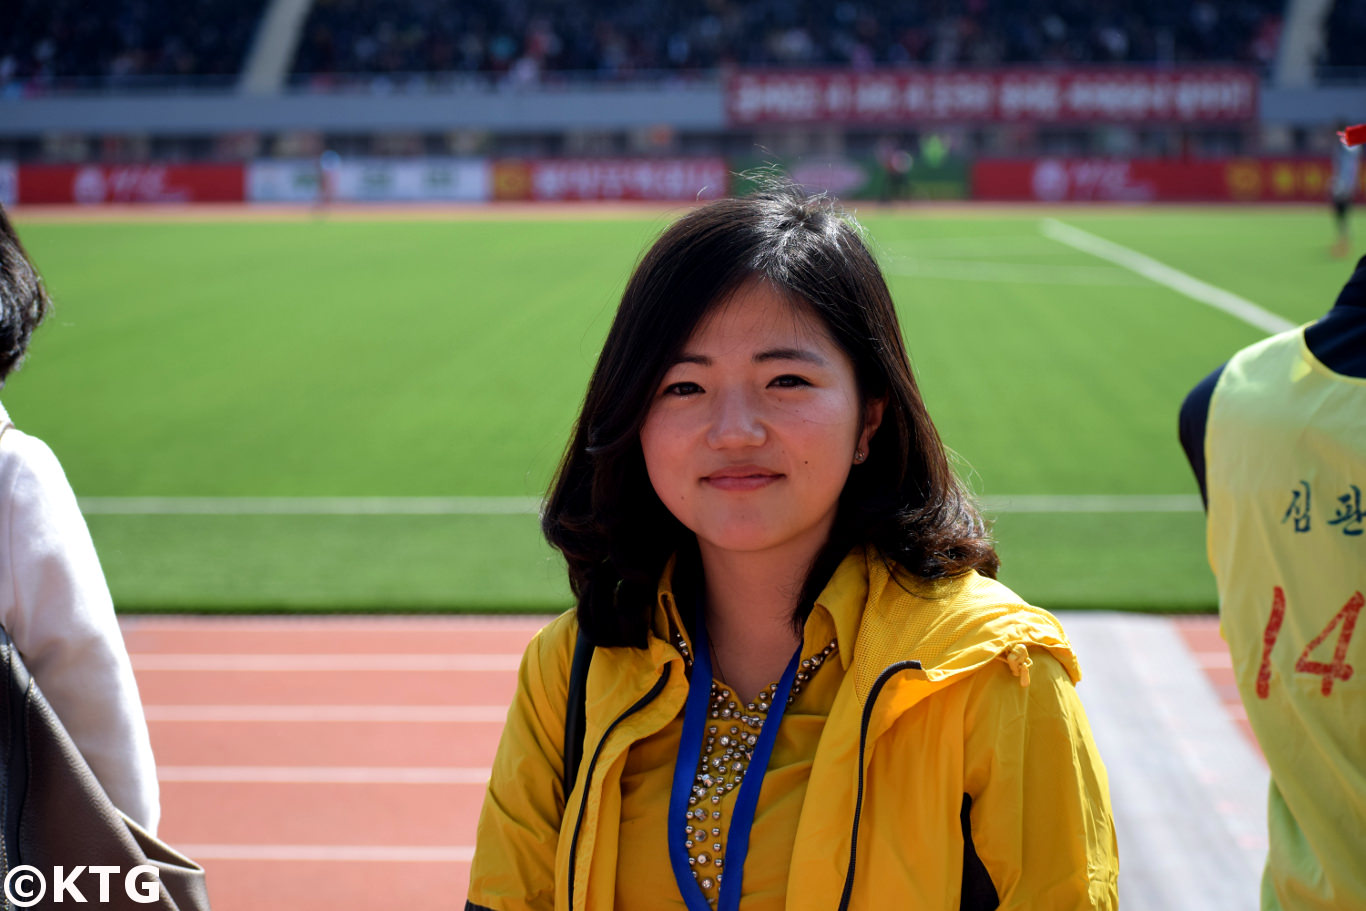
1194 415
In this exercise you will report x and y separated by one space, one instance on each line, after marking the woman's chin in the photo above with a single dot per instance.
745 539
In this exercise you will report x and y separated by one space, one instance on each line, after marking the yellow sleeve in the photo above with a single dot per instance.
1040 820
519 825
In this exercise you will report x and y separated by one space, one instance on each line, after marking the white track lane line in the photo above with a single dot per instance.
325 714
308 624
508 506
252 774
1189 285
457 854
156 661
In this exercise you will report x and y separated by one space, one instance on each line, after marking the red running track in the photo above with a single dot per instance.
330 762
336 762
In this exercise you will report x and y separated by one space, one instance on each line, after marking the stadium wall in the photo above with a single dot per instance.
511 111
706 105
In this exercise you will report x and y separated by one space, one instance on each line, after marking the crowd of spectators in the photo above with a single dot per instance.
54 42
526 39
1344 36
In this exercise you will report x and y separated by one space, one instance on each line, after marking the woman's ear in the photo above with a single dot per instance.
872 420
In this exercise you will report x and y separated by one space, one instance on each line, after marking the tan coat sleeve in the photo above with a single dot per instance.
1041 818
519 825
57 608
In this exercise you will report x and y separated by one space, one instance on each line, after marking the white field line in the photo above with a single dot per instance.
1083 503
438 854
490 506
1010 273
269 774
340 714
157 661
1189 285
310 506
988 247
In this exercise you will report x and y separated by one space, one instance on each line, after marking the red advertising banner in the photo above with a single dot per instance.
91 185
667 179
1020 95
1154 180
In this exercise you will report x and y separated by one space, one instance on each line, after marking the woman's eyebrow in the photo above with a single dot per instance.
790 354
768 354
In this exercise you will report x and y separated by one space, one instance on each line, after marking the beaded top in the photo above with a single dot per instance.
732 731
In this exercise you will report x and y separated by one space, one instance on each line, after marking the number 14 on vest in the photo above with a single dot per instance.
1338 670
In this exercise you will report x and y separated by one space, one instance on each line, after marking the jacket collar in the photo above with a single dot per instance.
835 615
881 615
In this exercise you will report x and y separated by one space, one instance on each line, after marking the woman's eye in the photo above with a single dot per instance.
788 381
682 389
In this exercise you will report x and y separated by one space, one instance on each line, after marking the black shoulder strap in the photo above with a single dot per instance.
574 716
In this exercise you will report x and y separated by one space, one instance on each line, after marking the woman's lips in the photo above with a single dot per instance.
741 478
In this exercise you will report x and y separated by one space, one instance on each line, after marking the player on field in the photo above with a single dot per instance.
1346 178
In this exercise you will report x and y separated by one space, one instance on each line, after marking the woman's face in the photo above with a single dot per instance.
752 434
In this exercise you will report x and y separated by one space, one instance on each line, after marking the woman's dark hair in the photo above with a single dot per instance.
23 299
602 512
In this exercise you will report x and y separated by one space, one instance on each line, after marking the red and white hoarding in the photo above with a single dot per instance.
91 185
372 180
664 179
1219 95
1154 180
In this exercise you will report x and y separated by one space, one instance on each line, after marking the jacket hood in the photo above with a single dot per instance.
950 626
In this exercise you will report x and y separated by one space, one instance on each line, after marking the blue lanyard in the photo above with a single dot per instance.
695 717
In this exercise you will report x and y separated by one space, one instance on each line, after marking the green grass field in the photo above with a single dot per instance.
348 358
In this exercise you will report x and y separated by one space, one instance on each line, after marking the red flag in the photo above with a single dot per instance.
1353 136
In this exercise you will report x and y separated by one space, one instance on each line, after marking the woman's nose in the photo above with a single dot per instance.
735 421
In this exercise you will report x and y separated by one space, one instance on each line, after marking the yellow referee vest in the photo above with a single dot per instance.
1285 449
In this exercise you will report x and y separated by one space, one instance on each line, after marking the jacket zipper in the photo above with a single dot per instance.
876 691
588 774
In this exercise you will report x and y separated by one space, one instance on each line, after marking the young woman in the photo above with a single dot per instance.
808 691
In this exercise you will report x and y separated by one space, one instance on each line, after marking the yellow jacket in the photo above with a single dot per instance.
958 699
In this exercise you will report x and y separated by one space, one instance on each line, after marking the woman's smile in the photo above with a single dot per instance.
742 478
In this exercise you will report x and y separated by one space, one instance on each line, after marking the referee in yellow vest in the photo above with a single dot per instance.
1277 439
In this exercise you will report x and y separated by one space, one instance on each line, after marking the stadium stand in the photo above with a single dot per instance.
623 37
213 80
54 40
1344 43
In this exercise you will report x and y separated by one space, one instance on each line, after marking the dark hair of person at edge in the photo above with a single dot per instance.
602 512
23 299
